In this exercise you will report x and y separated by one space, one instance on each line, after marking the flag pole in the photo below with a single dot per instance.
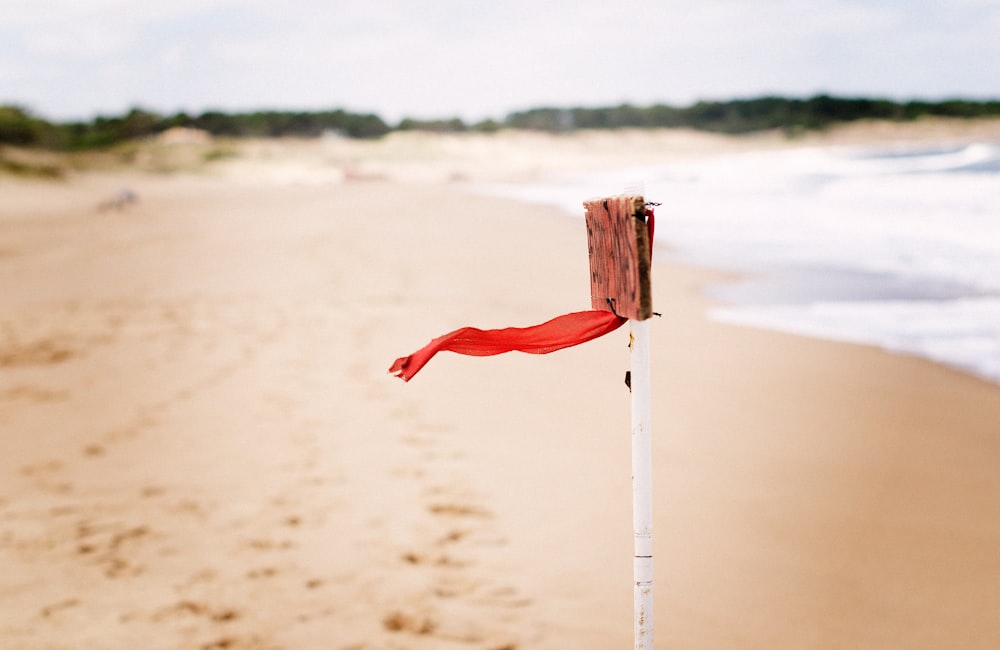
642 485
642 474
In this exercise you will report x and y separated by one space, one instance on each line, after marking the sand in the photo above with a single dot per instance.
202 448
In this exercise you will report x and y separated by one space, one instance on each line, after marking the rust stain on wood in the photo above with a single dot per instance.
619 246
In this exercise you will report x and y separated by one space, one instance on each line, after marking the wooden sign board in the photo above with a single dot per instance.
618 241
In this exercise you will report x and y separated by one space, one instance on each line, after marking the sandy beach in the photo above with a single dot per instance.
201 446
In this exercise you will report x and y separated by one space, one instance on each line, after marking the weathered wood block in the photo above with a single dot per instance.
619 246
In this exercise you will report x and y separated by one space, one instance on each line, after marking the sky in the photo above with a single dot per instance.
473 59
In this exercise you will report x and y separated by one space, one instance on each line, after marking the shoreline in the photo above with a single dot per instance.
773 299
821 288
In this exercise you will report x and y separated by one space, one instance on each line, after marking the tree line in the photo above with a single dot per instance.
749 115
18 126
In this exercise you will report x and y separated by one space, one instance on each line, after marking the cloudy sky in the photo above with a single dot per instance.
67 59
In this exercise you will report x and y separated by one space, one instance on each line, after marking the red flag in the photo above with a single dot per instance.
560 332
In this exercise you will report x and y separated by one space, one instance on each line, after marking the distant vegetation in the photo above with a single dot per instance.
748 115
20 127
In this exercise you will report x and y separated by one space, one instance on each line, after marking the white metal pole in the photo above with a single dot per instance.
642 472
642 485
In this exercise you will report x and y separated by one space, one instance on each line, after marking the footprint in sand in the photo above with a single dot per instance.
45 476
38 353
152 492
262 544
110 547
55 608
457 510
34 394
397 621
262 573
441 560
93 450
42 468
194 608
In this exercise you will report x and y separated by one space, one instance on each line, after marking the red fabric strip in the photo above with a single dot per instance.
651 224
560 332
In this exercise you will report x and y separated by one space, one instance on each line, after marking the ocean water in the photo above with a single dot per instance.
897 247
